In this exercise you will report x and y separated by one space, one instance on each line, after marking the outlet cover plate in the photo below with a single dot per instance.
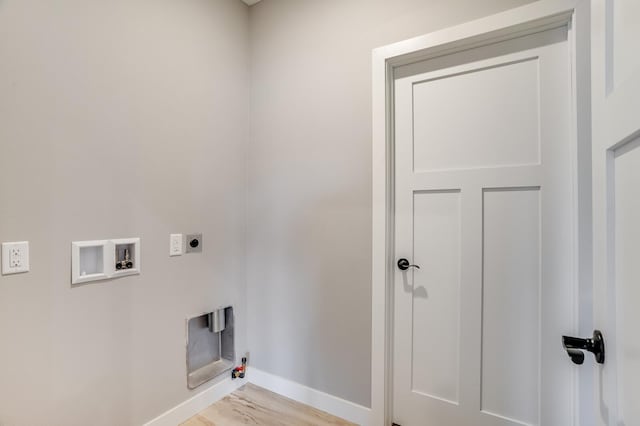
176 245
189 243
15 257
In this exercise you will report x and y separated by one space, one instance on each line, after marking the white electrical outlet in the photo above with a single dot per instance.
175 245
15 257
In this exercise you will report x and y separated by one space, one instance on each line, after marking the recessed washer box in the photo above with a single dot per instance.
89 261
127 257
103 259
210 346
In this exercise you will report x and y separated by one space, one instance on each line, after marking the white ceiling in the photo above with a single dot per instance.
251 2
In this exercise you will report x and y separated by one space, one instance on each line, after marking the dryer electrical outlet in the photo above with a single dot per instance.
193 243
15 257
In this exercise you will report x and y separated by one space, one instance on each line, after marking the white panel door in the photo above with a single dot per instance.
616 201
484 202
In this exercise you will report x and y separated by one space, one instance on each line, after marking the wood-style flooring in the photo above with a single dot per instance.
252 405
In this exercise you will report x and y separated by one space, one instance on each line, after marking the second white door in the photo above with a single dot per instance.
485 170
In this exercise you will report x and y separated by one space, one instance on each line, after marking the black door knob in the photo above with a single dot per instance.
404 264
575 347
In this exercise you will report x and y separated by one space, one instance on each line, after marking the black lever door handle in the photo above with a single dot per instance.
575 347
404 264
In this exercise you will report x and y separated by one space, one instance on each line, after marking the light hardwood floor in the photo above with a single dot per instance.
253 405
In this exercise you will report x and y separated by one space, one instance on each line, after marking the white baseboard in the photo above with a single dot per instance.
322 401
192 406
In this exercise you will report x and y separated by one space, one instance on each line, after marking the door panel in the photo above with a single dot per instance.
624 36
480 140
484 184
435 372
627 276
616 185
511 303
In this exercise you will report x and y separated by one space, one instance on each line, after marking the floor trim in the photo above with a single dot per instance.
192 406
322 401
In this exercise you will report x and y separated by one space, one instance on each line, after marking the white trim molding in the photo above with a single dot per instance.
192 406
529 19
322 401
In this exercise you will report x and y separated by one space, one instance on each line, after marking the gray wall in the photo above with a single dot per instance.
309 168
129 118
118 118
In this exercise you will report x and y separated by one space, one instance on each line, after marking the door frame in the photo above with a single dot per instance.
535 17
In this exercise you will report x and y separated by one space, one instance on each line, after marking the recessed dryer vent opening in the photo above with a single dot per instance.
210 346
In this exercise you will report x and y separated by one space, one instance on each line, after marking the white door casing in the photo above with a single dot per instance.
485 177
526 20
616 207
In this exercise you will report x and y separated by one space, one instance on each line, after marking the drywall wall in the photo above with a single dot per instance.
120 118
309 171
